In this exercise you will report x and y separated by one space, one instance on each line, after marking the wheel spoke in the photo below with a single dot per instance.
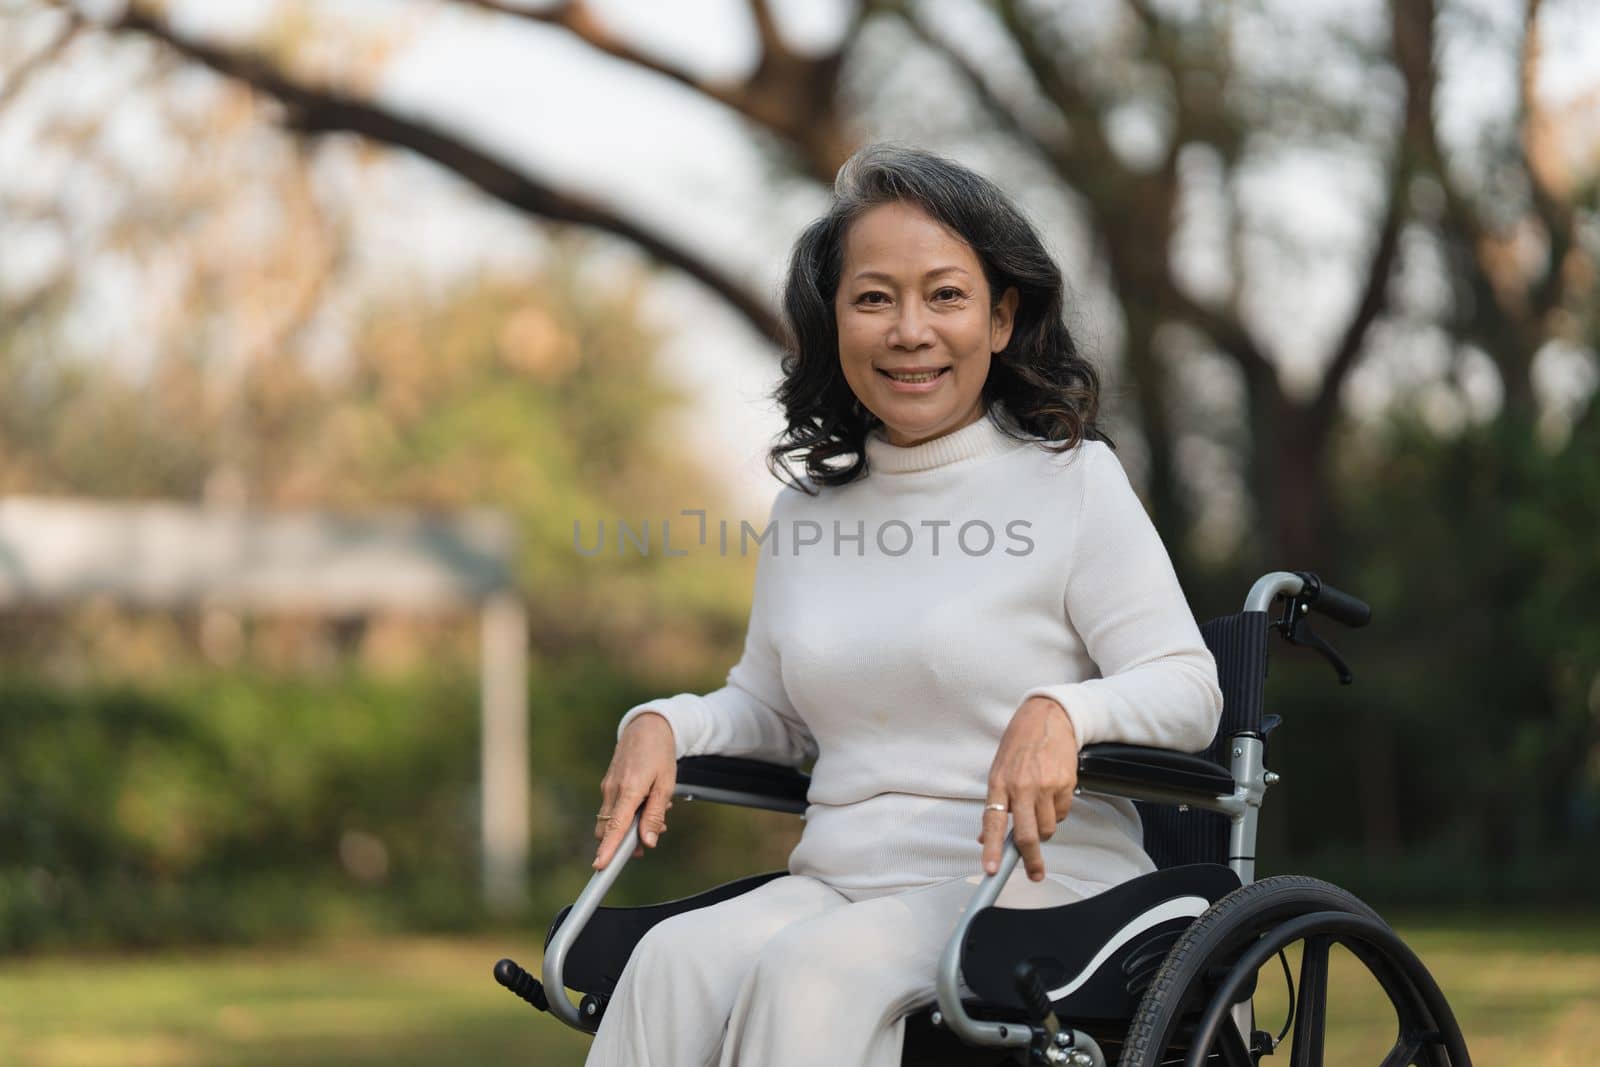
1311 1002
1404 1052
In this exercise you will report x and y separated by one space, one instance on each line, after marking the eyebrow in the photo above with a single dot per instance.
884 277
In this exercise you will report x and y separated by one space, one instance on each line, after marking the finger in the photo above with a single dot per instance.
616 830
653 822
608 802
1044 809
608 799
621 820
1025 831
993 836
1063 802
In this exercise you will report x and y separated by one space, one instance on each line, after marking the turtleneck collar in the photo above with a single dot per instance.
977 440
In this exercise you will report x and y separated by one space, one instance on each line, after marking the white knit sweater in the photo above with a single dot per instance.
897 658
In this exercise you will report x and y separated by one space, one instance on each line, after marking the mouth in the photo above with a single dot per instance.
916 376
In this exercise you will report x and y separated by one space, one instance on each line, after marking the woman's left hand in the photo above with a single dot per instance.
1033 775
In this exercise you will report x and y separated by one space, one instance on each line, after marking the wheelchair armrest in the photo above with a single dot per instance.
750 783
746 782
1133 770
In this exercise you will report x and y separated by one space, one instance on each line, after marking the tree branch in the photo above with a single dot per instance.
997 109
1373 302
787 94
1230 335
1083 118
320 110
767 29
1496 314
1411 42
1538 139
575 17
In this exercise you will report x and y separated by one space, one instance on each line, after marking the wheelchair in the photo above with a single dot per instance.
1174 981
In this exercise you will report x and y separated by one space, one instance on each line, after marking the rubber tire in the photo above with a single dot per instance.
1247 911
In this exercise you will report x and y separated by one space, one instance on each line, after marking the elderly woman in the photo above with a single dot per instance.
960 592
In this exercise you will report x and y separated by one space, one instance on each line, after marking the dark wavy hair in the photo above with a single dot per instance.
1050 393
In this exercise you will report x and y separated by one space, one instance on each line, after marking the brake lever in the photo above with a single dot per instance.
1309 637
1296 629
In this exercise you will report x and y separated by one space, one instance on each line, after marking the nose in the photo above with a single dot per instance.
910 328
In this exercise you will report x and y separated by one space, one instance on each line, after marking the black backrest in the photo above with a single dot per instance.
1239 643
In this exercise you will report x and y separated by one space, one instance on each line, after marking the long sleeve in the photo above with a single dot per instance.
751 715
1158 683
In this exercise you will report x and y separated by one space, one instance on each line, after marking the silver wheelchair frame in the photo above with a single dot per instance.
1064 1045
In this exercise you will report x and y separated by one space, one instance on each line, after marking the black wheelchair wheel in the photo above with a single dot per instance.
1184 1016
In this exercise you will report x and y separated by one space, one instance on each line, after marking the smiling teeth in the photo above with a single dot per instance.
927 377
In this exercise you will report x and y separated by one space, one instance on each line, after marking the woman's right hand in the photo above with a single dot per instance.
643 770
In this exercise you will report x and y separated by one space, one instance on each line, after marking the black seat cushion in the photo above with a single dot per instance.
1097 955
1066 945
597 957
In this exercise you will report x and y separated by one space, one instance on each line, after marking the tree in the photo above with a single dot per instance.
1060 87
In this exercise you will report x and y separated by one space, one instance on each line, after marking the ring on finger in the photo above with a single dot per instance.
996 807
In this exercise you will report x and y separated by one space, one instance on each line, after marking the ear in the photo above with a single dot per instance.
1002 319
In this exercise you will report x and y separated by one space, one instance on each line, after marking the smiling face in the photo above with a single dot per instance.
913 301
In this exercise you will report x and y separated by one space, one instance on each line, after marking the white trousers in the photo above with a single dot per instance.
791 974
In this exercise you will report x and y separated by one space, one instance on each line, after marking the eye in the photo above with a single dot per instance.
864 297
949 292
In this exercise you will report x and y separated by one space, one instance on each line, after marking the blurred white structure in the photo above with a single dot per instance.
164 556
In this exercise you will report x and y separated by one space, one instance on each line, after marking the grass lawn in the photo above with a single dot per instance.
1525 993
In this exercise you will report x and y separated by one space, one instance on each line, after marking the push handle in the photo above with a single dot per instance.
1336 604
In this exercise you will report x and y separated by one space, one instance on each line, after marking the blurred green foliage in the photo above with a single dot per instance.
1463 768
137 815
218 807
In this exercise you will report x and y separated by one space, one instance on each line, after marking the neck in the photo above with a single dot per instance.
900 440
979 438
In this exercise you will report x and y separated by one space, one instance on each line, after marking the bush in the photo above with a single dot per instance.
240 808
